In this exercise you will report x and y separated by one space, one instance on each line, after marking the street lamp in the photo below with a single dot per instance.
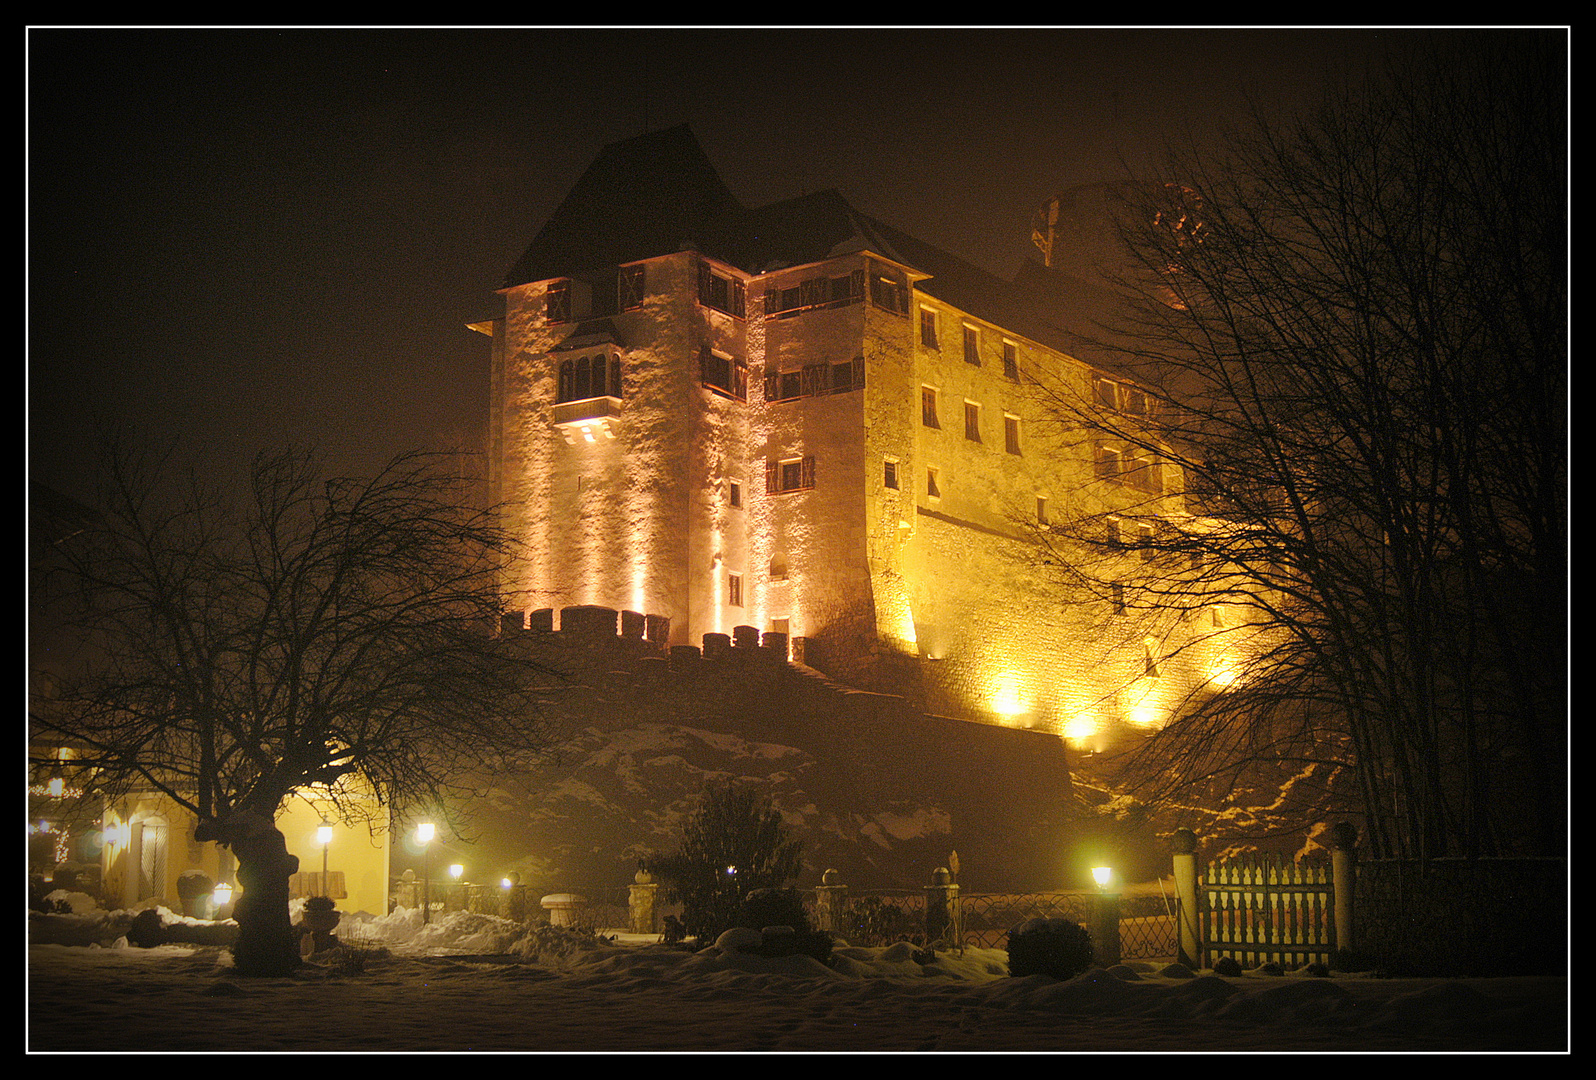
424 834
324 838
1102 875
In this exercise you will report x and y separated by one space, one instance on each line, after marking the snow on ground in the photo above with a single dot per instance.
479 983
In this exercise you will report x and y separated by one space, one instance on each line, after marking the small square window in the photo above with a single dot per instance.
972 421
736 493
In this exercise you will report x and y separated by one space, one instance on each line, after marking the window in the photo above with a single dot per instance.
1121 396
1116 598
1150 658
814 380
1141 471
723 374
972 421
814 293
734 590
557 302
629 288
888 290
1144 540
736 495
928 406
778 567
721 292
587 377
972 346
1041 509
928 328
1105 462
794 474
890 475
1011 360
933 487
1011 433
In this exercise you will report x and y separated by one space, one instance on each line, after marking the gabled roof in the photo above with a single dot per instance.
642 197
658 193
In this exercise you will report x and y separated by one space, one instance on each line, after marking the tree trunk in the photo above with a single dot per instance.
266 943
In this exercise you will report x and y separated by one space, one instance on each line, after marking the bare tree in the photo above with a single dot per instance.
1354 329
331 629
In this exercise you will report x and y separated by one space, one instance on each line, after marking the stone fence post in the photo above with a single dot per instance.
1344 878
943 918
641 918
1189 945
830 897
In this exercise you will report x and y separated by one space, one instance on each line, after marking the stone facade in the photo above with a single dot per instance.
810 423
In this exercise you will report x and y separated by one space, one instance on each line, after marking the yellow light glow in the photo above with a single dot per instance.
324 835
1081 728
1143 716
425 832
1102 875
1007 701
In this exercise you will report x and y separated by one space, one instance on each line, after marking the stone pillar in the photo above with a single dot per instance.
831 896
541 621
942 914
745 637
632 624
717 646
1344 879
640 915
1189 938
1102 918
657 628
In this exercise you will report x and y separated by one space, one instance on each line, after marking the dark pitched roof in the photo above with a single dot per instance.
658 193
641 197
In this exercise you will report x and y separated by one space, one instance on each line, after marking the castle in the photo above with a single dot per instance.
801 420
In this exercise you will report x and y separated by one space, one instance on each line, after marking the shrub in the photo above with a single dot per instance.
1056 947
764 908
733 843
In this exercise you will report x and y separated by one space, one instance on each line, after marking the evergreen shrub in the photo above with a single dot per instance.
1056 947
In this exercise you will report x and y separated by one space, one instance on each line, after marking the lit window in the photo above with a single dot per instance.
972 346
584 377
720 292
723 374
928 407
794 474
1011 433
972 421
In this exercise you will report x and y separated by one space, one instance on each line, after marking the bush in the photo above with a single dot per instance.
765 908
1056 947
733 843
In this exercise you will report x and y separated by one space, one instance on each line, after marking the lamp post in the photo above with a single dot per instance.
324 838
1103 914
424 834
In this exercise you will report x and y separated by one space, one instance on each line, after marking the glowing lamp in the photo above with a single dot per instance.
425 832
324 834
1101 875
455 870
222 895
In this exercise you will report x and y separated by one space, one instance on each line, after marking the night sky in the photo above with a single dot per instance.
246 239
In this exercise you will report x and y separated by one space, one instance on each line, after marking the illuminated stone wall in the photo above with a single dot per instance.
936 595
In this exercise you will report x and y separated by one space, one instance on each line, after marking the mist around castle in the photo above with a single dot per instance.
1225 538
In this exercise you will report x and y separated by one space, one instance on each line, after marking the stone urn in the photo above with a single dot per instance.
319 919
